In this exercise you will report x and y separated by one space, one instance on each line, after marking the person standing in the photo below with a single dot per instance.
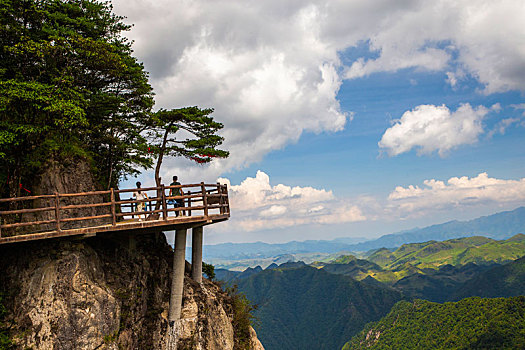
140 196
179 202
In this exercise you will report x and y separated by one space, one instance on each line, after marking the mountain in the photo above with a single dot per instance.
439 285
260 250
472 323
501 281
433 267
460 251
308 308
497 226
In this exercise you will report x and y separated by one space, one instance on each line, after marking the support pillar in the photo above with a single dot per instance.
177 284
196 254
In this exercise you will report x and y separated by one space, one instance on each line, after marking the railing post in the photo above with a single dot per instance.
189 203
113 211
163 199
226 199
57 210
204 200
219 192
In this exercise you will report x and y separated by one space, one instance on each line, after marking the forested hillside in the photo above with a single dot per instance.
472 323
307 308
502 281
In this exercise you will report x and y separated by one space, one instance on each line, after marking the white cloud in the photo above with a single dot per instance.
430 128
259 205
484 39
271 68
456 192
519 106
503 125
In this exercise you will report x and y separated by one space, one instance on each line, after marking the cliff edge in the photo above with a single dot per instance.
109 293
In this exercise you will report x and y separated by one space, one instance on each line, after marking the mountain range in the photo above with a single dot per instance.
501 225
323 305
301 307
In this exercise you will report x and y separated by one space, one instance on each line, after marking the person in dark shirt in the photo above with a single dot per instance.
179 202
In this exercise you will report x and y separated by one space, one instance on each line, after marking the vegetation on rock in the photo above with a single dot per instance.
71 91
472 323
5 341
243 317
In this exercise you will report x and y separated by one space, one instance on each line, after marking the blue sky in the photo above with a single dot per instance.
346 118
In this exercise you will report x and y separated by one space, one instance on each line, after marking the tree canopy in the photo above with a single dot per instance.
70 87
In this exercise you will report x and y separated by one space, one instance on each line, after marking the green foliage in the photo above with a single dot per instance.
69 87
308 308
460 251
200 140
5 341
501 281
343 259
422 258
472 323
209 270
242 318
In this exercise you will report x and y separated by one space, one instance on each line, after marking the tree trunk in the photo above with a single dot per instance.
159 164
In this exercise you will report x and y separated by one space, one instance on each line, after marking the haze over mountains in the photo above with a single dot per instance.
497 226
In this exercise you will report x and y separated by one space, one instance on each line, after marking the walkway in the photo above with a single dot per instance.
91 213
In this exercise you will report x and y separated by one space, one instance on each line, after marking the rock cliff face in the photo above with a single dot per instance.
107 293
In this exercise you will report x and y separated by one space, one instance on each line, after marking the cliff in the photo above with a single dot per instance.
109 293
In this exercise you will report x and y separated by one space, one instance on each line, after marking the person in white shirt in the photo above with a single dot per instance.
139 195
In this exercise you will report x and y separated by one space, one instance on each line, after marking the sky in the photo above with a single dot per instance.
344 118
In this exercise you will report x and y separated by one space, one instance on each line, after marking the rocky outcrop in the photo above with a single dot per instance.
106 293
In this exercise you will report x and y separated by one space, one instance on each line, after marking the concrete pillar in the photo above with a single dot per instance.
196 254
177 284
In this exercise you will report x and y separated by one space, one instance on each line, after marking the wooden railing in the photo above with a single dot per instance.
67 211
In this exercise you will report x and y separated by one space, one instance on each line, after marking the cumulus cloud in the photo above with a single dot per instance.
271 69
473 36
259 205
457 192
430 128
504 124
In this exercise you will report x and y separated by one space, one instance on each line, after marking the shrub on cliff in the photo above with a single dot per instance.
242 317
5 341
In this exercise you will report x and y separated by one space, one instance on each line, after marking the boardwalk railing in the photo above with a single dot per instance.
60 213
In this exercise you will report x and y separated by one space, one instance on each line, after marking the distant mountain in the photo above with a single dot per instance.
430 265
472 323
308 308
460 251
237 251
501 281
497 226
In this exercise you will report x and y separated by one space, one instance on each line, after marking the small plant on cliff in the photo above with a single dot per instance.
209 270
5 341
242 318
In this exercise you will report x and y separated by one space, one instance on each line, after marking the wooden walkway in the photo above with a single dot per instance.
90 213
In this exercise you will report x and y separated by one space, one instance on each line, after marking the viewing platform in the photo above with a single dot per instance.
87 214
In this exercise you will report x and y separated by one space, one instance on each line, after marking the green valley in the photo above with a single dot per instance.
308 308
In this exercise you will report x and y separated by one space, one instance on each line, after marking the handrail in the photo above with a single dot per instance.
61 210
